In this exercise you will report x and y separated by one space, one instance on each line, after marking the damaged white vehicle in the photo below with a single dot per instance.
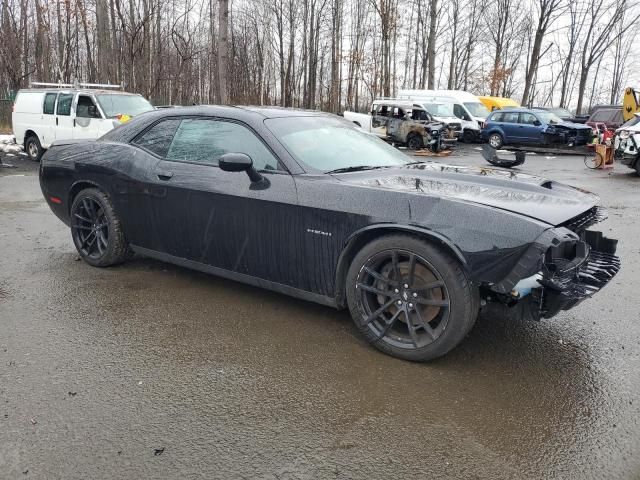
627 143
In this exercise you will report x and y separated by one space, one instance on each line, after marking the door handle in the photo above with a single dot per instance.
56 121
162 175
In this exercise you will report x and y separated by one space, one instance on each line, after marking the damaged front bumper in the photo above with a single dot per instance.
558 271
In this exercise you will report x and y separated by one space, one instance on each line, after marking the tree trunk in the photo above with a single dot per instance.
223 45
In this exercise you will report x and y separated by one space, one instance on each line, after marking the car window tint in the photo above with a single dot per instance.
204 141
49 103
510 117
527 118
64 104
600 116
497 117
158 138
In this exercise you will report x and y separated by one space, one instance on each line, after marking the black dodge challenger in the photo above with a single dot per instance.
305 204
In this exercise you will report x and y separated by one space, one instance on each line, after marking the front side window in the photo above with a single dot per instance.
204 141
497 117
159 137
86 108
49 107
528 119
64 104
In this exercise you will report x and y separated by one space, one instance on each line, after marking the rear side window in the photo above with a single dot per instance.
64 104
509 117
159 137
49 103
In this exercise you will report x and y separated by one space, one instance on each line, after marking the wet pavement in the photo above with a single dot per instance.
148 370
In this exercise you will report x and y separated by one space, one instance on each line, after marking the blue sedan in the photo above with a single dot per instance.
532 127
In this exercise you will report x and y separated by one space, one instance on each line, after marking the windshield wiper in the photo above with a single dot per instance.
356 168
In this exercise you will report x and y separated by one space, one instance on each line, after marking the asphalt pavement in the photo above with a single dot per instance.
147 370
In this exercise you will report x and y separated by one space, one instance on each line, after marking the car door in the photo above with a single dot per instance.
47 129
203 214
511 128
530 128
64 120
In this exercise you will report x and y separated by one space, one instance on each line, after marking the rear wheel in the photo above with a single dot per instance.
495 140
410 299
414 141
96 229
33 148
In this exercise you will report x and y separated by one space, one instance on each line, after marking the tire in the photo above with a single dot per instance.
414 142
594 161
468 136
33 148
96 229
495 140
388 304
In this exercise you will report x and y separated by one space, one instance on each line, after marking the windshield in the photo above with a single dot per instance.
114 104
439 109
326 144
561 112
477 109
549 117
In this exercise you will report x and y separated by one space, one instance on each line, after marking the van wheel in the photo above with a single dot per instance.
468 136
33 148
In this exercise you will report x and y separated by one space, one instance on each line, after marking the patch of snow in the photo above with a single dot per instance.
8 144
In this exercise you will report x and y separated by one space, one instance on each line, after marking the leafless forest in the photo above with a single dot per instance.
327 54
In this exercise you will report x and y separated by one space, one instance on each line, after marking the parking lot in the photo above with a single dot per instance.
148 370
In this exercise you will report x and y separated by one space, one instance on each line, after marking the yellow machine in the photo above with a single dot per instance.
630 103
498 103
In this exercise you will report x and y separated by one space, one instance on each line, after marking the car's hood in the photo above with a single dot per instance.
446 119
577 126
535 197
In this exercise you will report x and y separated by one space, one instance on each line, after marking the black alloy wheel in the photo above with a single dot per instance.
404 299
96 229
409 298
90 228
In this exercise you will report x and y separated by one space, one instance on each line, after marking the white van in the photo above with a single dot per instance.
63 112
466 106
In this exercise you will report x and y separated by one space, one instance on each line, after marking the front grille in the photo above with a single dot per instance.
586 219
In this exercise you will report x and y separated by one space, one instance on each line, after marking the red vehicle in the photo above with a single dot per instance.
610 116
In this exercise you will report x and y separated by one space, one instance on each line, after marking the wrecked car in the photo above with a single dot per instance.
308 205
533 127
407 123
627 143
418 134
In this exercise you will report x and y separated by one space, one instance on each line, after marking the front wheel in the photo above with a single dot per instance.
414 142
409 298
96 229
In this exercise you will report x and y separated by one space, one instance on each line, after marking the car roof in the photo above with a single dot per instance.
95 91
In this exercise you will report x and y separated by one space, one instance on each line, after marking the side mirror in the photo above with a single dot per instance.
240 162
537 123
93 111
